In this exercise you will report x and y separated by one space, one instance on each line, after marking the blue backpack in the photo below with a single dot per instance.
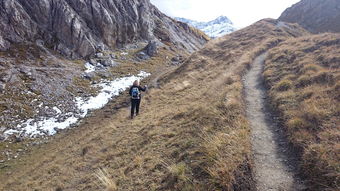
135 93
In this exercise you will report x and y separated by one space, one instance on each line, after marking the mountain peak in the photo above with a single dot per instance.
222 19
216 28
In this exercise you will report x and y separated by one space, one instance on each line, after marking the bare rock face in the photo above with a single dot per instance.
315 15
78 28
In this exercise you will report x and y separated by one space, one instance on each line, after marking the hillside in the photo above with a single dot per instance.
201 144
215 28
303 76
254 110
53 53
315 15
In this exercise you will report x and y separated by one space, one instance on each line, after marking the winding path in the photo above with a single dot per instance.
275 167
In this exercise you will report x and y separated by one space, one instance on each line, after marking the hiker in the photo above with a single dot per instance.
135 93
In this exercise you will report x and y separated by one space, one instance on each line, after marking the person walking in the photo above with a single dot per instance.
135 93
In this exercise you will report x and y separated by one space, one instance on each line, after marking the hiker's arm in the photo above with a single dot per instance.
130 91
143 89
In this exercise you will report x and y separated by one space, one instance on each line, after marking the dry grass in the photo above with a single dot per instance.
104 177
192 133
304 79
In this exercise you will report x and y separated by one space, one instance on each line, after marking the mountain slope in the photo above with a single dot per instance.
80 28
215 28
45 45
303 76
315 15
203 143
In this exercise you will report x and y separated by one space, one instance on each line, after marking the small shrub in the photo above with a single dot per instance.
230 81
268 73
324 78
290 77
311 67
296 123
321 158
313 113
284 85
177 171
305 95
304 81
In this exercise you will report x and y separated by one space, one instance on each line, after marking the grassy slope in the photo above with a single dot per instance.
304 79
192 134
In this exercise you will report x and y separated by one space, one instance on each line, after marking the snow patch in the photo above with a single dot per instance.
109 89
89 68
50 126
57 110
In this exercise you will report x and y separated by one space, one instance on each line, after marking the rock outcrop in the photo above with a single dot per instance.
78 28
315 15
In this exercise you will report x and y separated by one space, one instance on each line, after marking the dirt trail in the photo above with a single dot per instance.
275 167
154 83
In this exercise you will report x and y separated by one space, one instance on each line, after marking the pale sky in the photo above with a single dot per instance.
241 12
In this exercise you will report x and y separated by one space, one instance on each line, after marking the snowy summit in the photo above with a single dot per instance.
215 28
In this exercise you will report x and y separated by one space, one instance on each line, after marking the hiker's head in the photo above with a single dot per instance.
136 83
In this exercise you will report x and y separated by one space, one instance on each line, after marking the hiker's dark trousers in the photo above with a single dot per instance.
135 106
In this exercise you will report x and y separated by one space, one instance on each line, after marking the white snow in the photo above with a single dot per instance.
89 68
99 54
56 109
49 126
109 90
11 132
215 28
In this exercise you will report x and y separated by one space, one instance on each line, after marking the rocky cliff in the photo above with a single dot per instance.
315 15
81 27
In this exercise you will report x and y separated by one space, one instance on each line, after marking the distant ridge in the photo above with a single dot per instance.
315 15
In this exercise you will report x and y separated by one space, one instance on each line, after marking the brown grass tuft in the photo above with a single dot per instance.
284 85
104 177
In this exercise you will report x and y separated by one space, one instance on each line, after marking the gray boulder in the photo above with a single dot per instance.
152 48
2 87
93 62
108 63
99 55
5 76
142 55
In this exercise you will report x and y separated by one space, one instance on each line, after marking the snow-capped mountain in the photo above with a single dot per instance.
215 28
